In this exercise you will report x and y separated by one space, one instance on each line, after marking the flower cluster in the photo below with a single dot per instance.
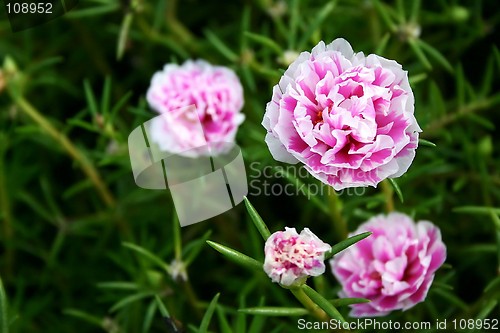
393 268
292 257
200 104
346 116
349 118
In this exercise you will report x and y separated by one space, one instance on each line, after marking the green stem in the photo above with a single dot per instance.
177 238
339 223
192 298
388 195
432 129
4 319
312 307
496 224
182 33
69 147
6 210
155 37
498 250
374 26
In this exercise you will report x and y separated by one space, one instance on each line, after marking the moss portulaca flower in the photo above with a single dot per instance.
346 116
292 257
191 94
393 268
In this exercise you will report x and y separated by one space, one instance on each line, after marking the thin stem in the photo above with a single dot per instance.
192 298
339 223
479 105
70 148
498 249
4 320
177 239
6 211
155 37
312 307
496 224
177 28
388 194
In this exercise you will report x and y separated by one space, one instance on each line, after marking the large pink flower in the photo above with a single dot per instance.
346 116
394 267
200 104
291 257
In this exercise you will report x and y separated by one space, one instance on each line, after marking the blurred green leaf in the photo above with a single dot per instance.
451 298
4 319
416 78
431 51
348 301
264 41
323 14
149 317
220 46
487 309
148 255
241 318
476 210
496 54
120 285
304 189
436 99
91 319
489 74
93 11
124 31
193 248
163 310
44 63
481 121
106 96
223 323
494 284
257 324
91 101
383 44
396 188
208 314
460 80
384 14
119 105
415 10
130 299
416 47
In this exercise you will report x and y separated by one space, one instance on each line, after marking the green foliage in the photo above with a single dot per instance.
83 249
4 318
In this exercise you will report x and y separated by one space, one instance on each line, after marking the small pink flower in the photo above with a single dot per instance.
346 116
200 104
394 267
291 257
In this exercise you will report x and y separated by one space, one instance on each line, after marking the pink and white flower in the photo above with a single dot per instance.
349 118
200 105
290 257
394 267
